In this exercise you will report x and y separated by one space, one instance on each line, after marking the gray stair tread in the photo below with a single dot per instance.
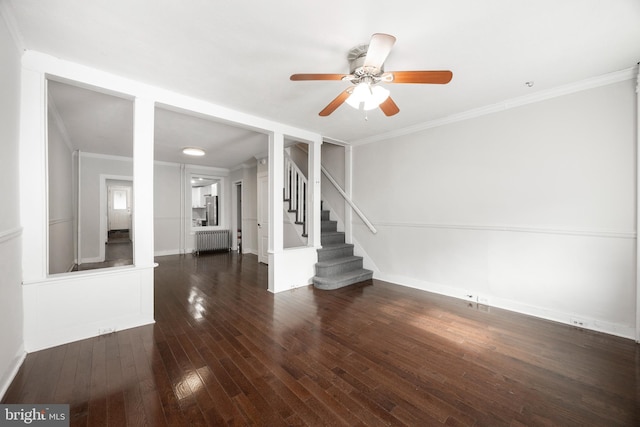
342 280
331 233
332 246
338 261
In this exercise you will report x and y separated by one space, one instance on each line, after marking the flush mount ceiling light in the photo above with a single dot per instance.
193 151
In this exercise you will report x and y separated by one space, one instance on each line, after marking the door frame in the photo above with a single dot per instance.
263 223
112 213
103 210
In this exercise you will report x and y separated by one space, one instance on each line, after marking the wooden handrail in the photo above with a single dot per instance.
348 200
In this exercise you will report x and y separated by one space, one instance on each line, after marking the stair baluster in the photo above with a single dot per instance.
295 192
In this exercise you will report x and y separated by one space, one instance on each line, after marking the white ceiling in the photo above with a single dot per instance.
240 54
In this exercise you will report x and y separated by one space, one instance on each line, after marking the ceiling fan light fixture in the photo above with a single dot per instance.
193 151
370 96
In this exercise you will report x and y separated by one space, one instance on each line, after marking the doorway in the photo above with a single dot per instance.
238 214
116 220
118 208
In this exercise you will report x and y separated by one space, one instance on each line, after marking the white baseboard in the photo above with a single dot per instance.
572 319
167 252
12 371
85 331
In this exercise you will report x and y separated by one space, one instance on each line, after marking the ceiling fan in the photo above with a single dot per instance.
367 72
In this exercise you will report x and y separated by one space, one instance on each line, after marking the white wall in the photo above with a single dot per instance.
333 160
166 210
61 200
530 209
11 332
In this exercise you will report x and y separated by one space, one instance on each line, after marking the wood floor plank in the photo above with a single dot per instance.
225 351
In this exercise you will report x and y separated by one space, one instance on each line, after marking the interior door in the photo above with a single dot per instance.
119 207
263 219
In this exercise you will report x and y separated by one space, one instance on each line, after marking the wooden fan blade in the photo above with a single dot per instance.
433 77
300 77
389 108
338 101
379 48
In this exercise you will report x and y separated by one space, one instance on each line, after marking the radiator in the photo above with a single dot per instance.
213 240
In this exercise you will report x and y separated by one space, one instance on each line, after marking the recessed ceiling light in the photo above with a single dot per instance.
193 151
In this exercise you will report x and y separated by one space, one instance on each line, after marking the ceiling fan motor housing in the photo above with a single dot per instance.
356 58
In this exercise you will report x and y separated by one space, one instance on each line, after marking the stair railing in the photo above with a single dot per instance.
295 192
348 200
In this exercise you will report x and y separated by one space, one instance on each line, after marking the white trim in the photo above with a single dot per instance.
105 156
57 221
12 233
515 306
13 371
83 75
637 334
244 165
594 82
335 141
167 252
539 230
76 275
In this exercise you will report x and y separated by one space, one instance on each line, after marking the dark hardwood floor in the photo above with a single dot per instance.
118 252
224 351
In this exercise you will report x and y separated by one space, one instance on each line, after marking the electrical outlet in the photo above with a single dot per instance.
106 331
482 307
576 321
470 297
483 300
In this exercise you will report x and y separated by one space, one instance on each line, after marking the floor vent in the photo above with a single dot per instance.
212 240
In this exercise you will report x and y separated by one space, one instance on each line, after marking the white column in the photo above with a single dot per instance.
143 182
314 192
276 216
34 212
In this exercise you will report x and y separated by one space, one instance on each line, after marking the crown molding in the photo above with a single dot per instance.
594 82
85 154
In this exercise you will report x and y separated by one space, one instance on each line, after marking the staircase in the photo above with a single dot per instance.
337 267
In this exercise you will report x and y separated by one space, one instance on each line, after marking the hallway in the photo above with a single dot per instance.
118 252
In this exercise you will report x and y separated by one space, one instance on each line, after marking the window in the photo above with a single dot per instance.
119 200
